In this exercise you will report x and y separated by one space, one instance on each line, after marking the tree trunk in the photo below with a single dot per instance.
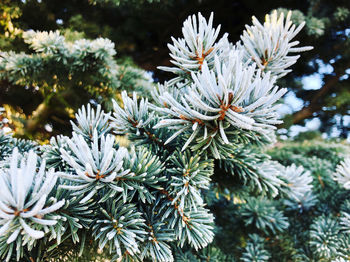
40 115
315 103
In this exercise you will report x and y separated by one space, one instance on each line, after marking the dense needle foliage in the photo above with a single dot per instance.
198 179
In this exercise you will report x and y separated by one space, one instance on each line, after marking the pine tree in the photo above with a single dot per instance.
197 142
65 71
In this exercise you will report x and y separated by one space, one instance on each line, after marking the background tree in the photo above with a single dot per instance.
58 77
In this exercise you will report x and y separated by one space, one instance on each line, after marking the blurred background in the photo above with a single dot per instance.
317 104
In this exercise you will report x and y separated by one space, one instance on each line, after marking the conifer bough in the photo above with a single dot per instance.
146 201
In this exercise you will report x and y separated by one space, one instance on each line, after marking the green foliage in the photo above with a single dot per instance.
196 180
119 20
264 216
327 240
60 70
57 64
255 250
